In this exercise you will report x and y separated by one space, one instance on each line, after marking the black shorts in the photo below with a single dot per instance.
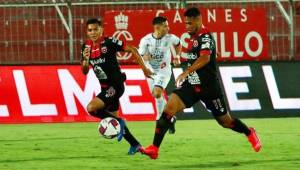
211 97
110 95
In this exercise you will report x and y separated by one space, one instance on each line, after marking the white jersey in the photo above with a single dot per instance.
159 50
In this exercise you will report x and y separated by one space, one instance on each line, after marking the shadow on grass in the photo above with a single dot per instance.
231 164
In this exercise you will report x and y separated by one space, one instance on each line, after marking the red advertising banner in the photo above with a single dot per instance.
238 32
32 94
35 94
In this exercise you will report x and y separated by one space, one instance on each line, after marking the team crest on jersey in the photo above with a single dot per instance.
110 92
195 43
104 49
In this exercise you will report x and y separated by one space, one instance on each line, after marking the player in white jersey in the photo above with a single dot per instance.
156 50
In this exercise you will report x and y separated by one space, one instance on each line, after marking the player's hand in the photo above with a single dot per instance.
181 78
176 62
86 53
148 73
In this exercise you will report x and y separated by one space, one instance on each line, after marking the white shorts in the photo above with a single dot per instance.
160 80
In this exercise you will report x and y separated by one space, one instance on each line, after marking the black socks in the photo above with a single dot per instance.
130 138
240 127
162 126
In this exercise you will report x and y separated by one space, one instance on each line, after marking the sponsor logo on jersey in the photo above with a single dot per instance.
205 45
193 78
100 74
191 56
97 61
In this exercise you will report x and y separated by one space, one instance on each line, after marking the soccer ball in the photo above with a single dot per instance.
109 127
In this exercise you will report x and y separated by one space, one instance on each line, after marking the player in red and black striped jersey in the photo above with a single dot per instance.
199 82
100 52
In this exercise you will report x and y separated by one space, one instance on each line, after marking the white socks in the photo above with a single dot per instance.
160 104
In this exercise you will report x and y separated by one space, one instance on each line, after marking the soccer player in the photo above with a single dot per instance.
199 82
100 52
156 49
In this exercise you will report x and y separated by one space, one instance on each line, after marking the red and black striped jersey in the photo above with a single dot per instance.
103 59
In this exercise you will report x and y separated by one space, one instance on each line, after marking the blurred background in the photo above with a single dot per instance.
51 31
41 82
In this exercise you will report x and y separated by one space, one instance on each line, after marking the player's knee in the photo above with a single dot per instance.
170 109
91 108
157 95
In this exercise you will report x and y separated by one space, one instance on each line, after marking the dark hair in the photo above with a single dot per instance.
192 12
94 21
159 20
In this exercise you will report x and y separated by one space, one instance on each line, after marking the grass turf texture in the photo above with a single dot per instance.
197 144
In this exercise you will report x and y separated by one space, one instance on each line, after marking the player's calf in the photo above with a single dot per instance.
238 126
233 123
225 124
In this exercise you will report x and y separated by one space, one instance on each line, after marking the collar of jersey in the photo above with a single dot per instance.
203 30
100 39
157 38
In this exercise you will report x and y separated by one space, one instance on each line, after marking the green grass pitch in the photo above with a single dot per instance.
197 144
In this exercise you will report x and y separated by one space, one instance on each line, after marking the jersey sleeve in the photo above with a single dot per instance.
175 40
143 48
116 44
206 45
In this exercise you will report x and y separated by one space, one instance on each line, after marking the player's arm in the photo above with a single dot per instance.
176 59
85 56
204 51
177 47
121 46
198 64
144 52
139 59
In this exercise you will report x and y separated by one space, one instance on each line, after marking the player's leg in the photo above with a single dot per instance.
238 126
161 81
95 105
181 98
113 107
174 105
219 110
134 143
159 100
160 104
97 108
107 100
157 91
106 104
